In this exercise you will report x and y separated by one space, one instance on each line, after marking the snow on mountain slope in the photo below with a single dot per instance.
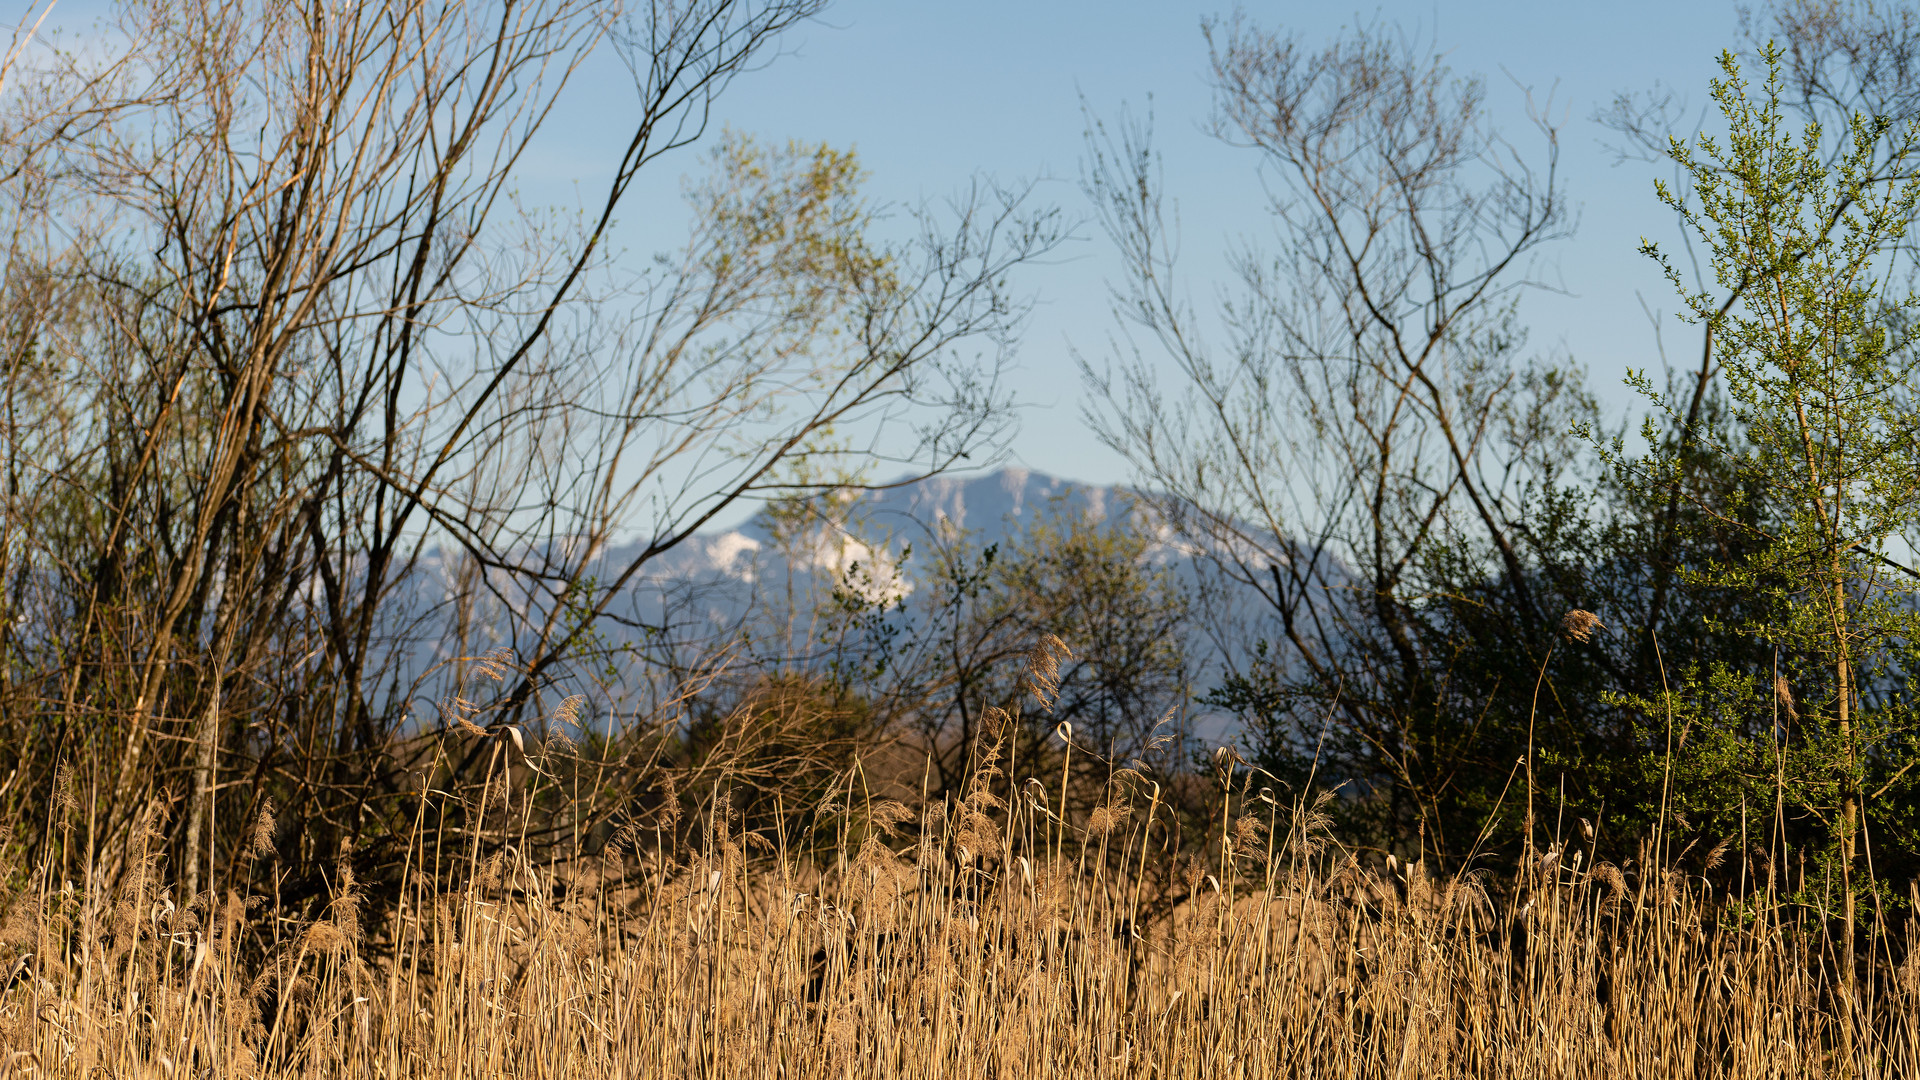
703 589
985 506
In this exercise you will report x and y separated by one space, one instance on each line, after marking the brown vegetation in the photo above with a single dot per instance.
302 402
980 936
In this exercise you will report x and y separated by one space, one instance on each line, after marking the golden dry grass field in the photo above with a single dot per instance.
969 939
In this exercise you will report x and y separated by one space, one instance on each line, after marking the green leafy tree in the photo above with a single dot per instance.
1817 365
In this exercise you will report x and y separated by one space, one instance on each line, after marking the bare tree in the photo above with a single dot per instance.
1369 404
305 340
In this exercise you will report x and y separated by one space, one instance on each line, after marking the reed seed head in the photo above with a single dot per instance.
260 838
1043 669
1783 694
1579 624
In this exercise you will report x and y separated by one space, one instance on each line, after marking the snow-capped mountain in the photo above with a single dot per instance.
709 581
985 506
712 586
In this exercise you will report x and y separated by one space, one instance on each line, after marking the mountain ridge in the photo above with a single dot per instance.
985 505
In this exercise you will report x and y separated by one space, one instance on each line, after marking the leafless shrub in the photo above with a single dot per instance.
305 390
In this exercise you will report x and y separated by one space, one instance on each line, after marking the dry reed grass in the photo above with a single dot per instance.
871 945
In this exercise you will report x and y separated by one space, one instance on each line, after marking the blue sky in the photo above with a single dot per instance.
931 94
934 94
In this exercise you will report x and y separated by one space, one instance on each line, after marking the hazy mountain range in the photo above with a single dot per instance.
985 506
708 582
703 589
715 576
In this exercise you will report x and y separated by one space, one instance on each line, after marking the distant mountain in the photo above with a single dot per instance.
707 584
710 580
984 505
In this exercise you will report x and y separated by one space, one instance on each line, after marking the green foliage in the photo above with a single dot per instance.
936 655
1093 581
1811 338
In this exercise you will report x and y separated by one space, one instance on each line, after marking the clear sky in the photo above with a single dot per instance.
933 93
